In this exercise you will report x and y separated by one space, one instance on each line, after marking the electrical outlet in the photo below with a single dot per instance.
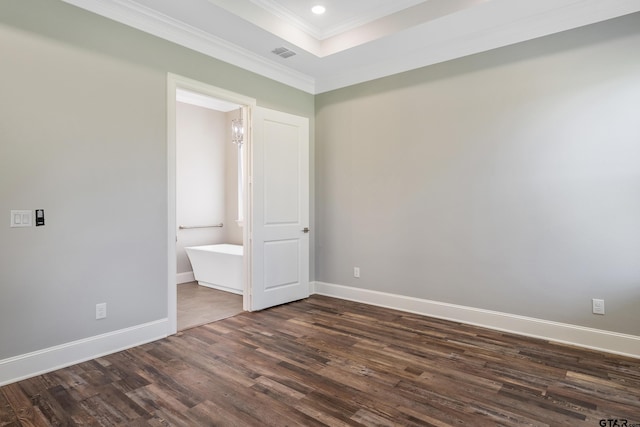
598 306
356 272
101 310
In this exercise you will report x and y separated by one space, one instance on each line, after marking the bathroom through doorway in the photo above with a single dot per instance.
209 208
275 201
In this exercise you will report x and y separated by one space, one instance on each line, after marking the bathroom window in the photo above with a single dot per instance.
237 137
240 219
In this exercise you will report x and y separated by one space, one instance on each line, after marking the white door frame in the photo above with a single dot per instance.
175 82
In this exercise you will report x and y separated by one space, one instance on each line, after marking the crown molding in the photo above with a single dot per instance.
492 24
483 31
147 20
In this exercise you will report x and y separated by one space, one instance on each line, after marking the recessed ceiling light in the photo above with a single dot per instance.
318 9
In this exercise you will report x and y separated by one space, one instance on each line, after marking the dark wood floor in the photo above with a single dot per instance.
329 362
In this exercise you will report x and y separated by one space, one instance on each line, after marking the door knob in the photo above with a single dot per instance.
305 230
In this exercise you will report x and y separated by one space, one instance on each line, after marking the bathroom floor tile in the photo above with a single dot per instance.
198 305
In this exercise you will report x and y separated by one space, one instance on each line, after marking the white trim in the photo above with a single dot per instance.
150 21
475 36
50 359
476 30
199 100
180 82
172 221
595 339
185 277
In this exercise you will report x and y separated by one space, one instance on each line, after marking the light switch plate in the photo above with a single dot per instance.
21 218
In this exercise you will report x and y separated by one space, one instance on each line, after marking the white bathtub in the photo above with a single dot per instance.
217 266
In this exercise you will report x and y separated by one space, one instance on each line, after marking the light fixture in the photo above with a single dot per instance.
237 130
318 9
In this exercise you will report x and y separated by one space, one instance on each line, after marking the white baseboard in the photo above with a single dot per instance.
39 362
185 277
595 339
49 359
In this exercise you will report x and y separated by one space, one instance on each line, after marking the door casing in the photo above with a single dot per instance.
175 82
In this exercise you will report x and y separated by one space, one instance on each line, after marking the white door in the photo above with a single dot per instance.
279 191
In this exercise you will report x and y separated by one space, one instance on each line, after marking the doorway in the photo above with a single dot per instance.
208 208
275 201
206 181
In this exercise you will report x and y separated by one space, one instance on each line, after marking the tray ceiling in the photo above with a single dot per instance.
355 40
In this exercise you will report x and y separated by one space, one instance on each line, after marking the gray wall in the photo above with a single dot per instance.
206 179
83 136
201 185
508 180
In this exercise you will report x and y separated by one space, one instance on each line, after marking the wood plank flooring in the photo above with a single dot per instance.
323 362
198 305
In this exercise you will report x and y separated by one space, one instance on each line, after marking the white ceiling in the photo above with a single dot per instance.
355 40
341 15
193 98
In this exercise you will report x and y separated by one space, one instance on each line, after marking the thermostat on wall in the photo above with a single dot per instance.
39 217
